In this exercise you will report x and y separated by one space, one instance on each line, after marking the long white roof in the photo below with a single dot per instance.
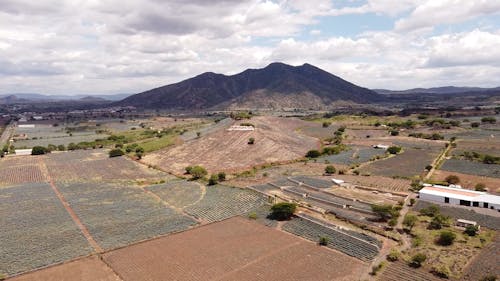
461 194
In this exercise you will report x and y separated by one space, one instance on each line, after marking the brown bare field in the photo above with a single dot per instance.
486 263
275 141
469 181
86 269
234 249
491 146
378 182
21 169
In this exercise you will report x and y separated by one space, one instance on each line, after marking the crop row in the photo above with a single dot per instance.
472 168
336 239
117 215
318 183
354 156
377 182
399 271
20 174
36 230
177 193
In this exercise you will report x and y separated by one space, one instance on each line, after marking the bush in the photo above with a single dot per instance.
221 176
441 271
412 201
480 187
394 149
428 167
188 169
116 152
198 172
39 150
394 132
417 260
252 216
446 238
385 211
61 147
474 124
452 179
323 240
313 154
251 140
471 230
326 124
410 221
283 211
330 169
430 211
491 120
213 179
393 255
377 268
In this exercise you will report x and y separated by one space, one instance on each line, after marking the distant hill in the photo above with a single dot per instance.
41 98
437 90
276 86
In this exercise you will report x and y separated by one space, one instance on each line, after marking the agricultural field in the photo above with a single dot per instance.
117 215
36 229
400 271
469 181
211 203
19 170
416 155
223 150
226 251
316 130
491 147
378 182
365 133
355 155
85 269
486 263
95 165
471 167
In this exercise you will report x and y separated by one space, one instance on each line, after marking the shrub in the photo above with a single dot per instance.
283 211
313 154
394 149
221 176
446 238
385 211
441 271
471 230
61 147
452 179
251 140
188 169
480 187
116 152
330 169
393 255
491 120
198 172
430 211
377 268
252 216
428 167
394 132
213 179
412 201
474 124
417 260
39 150
410 221
326 124
323 240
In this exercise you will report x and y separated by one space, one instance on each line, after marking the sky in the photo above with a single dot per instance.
116 46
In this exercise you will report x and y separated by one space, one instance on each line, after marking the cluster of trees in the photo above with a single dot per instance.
241 115
484 158
442 123
434 136
491 120
328 150
216 178
283 211
387 212
196 172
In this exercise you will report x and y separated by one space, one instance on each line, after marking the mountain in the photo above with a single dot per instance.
41 98
276 86
437 90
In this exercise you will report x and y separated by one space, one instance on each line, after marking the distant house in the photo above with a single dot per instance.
458 196
241 128
25 126
381 146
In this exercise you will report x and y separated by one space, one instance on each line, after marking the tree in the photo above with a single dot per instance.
430 211
326 124
39 150
385 211
410 221
439 221
452 179
441 271
313 154
480 187
188 169
251 141
323 240
428 167
330 169
116 152
198 172
491 120
283 211
412 201
474 124
394 132
393 255
417 260
446 238
61 147
471 230
394 149
213 179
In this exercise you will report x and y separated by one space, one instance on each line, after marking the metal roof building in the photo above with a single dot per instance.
458 196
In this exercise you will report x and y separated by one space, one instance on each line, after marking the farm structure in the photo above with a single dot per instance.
459 196
276 141
233 249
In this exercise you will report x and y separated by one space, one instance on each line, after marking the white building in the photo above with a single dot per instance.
458 196
23 151
241 128
381 146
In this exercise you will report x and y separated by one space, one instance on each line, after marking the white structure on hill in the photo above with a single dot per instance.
381 146
241 128
458 196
